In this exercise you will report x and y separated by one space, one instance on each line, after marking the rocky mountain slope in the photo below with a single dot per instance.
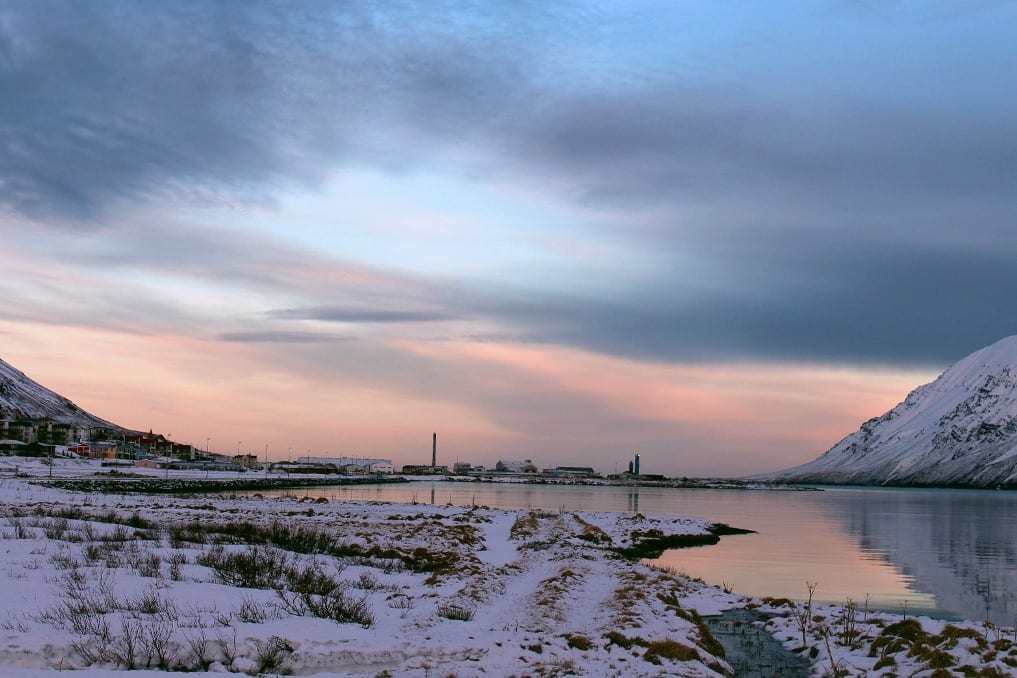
961 429
23 398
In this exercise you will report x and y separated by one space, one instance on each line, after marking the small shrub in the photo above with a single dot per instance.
149 566
456 611
119 534
137 521
55 528
93 553
255 568
199 656
404 603
19 530
251 612
149 602
367 581
64 561
271 653
176 563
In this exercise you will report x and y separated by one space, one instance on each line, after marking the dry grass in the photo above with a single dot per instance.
669 649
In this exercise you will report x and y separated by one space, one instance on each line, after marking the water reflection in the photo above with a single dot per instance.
634 500
798 540
961 545
949 552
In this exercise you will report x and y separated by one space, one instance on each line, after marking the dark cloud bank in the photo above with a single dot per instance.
859 223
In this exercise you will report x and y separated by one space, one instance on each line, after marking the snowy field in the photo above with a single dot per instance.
103 583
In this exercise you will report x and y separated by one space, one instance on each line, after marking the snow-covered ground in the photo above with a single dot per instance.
103 583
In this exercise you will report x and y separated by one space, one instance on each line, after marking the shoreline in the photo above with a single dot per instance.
336 587
139 484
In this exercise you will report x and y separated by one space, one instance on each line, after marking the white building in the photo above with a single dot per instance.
369 465
515 466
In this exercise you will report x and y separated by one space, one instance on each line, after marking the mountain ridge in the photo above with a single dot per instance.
959 430
23 398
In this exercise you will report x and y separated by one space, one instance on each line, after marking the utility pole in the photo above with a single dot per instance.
169 456
266 461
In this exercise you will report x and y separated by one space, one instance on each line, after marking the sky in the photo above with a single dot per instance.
721 235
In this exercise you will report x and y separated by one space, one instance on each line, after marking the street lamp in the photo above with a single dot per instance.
169 456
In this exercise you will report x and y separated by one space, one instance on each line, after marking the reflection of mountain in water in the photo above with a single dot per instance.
960 546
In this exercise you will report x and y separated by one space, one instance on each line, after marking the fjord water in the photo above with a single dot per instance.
949 553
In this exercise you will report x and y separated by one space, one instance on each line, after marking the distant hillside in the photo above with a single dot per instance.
961 429
23 398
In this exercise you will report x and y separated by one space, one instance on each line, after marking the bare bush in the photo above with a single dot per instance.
252 611
403 603
336 603
55 528
271 653
849 623
151 603
149 566
256 567
161 649
801 612
176 562
119 534
92 553
62 560
367 581
19 531
199 652
125 648
456 611
227 648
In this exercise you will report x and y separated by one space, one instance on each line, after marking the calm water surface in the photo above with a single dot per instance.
950 553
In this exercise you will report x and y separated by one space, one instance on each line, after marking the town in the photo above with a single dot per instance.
117 448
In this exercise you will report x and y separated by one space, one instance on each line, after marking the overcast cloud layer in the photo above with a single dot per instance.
673 183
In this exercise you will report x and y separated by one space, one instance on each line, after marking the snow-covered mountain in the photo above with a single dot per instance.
961 429
20 397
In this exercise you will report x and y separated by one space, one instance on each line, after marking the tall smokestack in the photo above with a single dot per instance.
434 449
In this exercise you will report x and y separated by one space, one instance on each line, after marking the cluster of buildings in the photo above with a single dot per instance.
503 467
521 467
16 433
48 438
